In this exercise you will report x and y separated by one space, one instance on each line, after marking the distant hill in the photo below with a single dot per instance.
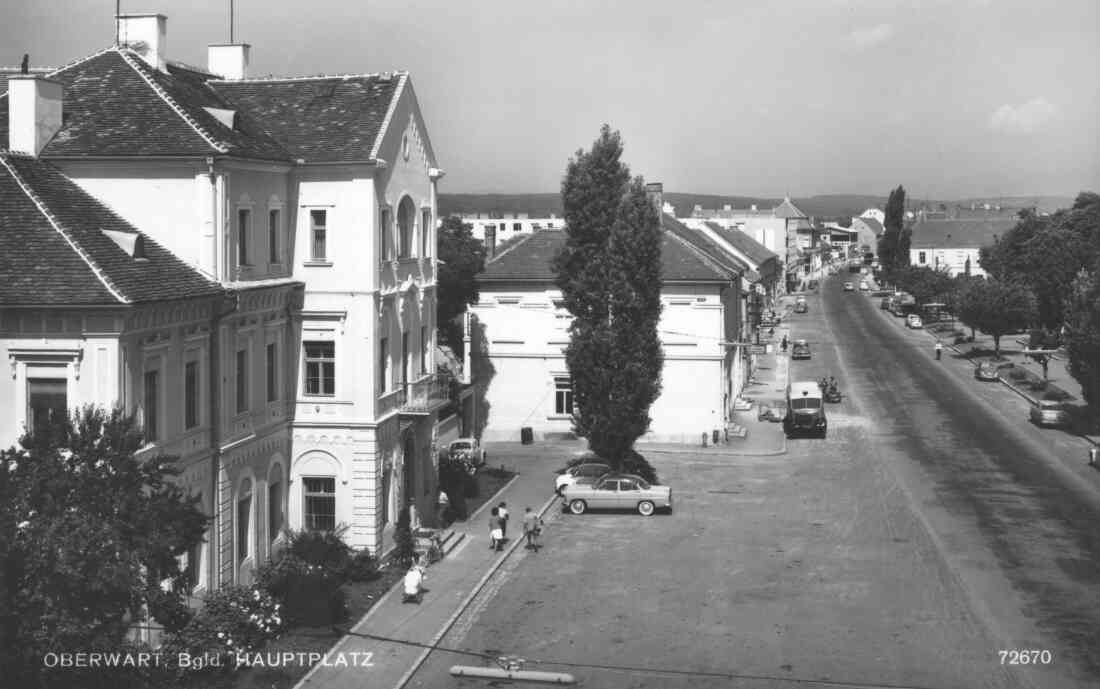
824 206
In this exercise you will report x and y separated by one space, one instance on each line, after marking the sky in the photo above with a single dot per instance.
950 98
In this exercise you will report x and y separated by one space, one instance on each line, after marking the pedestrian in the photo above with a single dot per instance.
502 512
939 349
784 345
494 529
443 506
414 580
532 526
1092 456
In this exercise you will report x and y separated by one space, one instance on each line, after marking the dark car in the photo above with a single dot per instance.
800 350
885 304
800 307
987 370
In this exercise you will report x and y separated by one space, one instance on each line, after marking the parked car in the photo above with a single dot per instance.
579 473
468 449
884 304
987 370
849 287
618 491
1050 413
913 321
800 307
863 286
800 350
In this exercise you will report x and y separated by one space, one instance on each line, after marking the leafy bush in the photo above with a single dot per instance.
310 594
1056 394
638 465
233 619
363 567
453 479
405 550
324 549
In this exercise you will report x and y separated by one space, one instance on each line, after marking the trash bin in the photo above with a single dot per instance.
526 435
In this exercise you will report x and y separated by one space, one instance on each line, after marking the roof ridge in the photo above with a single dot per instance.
96 270
219 146
694 249
522 240
314 77
398 90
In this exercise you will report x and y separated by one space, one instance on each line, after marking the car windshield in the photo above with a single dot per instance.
461 446
806 403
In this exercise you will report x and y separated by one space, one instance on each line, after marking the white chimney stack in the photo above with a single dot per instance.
34 112
228 60
146 35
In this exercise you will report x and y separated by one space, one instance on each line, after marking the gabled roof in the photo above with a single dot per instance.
682 258
58 245
754 250
704 246
873 224
115 104
321 119
959 234
788 210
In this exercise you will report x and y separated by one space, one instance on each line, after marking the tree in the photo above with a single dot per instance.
609 272
890 247
1083 333
88 534
997 308
461 258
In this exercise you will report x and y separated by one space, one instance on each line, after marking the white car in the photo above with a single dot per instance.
863 286
581 473
913 321
469 449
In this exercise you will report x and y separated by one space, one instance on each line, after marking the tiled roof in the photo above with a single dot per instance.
115 104
54 248
321 119
788 210
726 265
682 260
754 250
959 234
871 223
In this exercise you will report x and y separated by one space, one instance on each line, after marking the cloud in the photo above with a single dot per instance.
872 36
1024 118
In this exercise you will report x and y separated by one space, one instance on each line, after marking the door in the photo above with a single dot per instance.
606 496
408 465
628 494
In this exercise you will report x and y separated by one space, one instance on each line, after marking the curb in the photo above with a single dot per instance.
467 600
715 453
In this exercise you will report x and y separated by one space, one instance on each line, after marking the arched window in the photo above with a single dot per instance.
406 217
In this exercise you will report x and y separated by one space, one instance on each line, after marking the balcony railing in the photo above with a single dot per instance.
390 402
426 395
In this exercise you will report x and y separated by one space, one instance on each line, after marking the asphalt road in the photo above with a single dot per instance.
930 530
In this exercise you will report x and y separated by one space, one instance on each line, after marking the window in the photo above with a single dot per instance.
320 503
383 365
272 372
274 510
47 401
387 242
273 236
194 565
405 358
406 216
318 232
563 396
517 227
921 257
425 344
244 223
151 388
244 513
320 368
425 232
191 394
242 380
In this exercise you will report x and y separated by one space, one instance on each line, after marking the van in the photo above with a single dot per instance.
805 410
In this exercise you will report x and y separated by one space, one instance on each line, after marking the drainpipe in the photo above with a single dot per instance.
229 304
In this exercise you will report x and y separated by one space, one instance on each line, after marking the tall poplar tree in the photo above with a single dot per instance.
609 272
892 244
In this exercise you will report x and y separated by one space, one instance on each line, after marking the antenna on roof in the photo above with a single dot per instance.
118 11
231 21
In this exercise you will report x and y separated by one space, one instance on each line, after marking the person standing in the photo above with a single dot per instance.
532 526
414 580
939 349
494 529
502 512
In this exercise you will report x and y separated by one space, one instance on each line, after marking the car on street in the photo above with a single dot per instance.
468 449
849 287
863 286
913 321
617 492
884 304
800 350
1050 413
800 307
580 473
805 410
987 370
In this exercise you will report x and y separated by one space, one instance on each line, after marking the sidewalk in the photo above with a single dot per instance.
450 584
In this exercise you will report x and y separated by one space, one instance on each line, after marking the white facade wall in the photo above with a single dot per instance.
509 227
952 260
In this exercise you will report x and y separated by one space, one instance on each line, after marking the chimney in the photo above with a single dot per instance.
754 208
653 192
727 207
34 112
228 60
490 241
146 35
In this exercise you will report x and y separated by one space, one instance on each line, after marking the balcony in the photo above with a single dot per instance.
390 402
424 396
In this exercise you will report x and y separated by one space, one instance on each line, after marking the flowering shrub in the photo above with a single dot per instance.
310 594
233 619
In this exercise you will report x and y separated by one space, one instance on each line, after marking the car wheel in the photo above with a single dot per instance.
578 507
645 508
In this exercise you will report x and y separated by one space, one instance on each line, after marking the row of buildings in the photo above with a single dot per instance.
248 264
